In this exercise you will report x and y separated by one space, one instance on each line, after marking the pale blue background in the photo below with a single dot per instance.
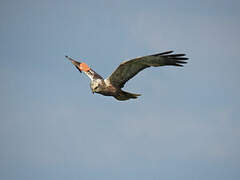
185 126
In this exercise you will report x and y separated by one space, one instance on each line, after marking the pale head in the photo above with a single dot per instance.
96 85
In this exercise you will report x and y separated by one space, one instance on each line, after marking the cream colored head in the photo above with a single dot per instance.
96 85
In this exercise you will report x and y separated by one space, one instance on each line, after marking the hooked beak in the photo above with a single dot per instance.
93 91
75 63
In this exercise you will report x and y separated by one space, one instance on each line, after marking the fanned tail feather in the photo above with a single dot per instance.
123 95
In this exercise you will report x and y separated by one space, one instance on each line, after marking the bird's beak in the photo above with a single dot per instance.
75 63
93 91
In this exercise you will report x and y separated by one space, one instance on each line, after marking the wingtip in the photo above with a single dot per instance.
68 57
163 53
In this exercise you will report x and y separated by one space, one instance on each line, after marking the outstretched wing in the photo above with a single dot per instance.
81 66
128 69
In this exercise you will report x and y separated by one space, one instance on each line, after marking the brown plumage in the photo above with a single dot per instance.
125 71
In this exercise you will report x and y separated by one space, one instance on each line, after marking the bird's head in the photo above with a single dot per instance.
96 85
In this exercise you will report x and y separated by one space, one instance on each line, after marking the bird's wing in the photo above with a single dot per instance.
128 69
84 67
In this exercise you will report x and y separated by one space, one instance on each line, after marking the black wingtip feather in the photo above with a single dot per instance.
179 58
176 55
173 59
163 53
178 65
183 62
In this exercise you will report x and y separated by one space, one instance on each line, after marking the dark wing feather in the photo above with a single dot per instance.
129 69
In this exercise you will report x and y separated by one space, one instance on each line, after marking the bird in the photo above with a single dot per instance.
112 86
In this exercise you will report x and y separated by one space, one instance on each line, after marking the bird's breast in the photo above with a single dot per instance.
109 91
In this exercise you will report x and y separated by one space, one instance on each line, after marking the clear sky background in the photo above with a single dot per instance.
186 124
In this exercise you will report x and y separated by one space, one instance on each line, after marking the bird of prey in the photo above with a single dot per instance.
112 86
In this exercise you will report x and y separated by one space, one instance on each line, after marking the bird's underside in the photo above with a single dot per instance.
112 85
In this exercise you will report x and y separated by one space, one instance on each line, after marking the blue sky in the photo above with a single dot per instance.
184 126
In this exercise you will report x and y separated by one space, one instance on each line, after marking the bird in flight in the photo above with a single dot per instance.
112 86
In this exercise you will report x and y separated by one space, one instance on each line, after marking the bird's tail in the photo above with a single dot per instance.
123 95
